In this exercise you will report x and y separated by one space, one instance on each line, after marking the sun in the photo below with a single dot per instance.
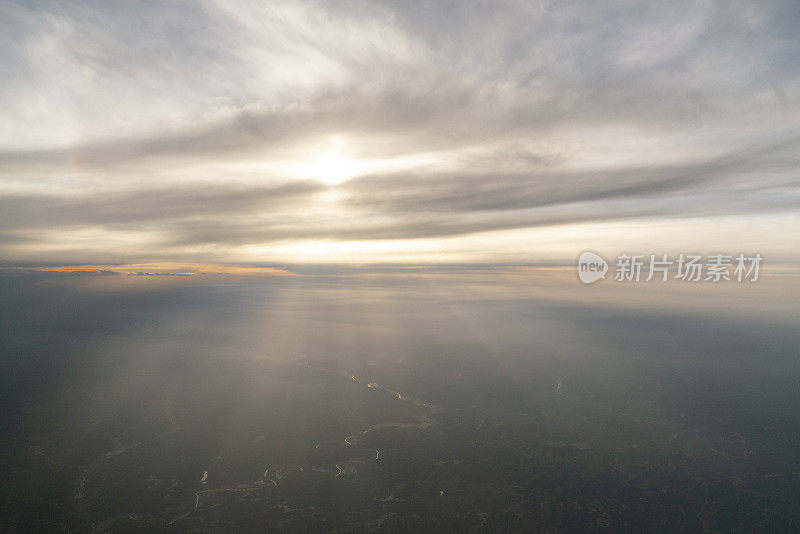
333 167
330 162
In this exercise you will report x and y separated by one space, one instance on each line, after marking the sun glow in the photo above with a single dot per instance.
333 167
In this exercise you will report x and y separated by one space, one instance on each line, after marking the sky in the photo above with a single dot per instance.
264 133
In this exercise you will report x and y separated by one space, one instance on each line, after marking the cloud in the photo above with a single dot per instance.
145 207
178 126
456 193
427 205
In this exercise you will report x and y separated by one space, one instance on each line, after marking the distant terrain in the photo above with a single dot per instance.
350 403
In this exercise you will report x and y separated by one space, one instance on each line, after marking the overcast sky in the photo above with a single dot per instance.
407 131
